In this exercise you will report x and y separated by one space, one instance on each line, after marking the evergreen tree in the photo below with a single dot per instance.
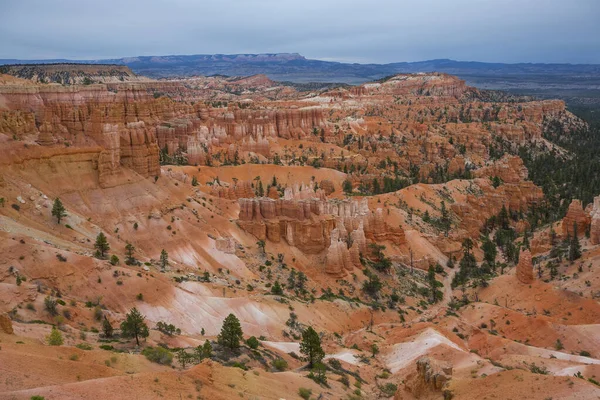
276 289
445 219
261 190
101 245
231 332
574 245
58 210
164 259
107 328
376 187
301 280
374 350
436 295
526 240
207 349
194 181
261 245
489 251
503 218
311 347
129 250
347 186
183 357
134 326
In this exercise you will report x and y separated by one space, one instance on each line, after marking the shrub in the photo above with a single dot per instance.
37 398
50 305
98 313
253 342
84 346
335 363
280 364
158 355
55 338
114 260
304 393
389 389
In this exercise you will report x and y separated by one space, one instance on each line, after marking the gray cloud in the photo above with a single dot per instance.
344 30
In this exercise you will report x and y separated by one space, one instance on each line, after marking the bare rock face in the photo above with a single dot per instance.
525 267
575 215
432 376
241 190
595 224
226 245
6 324
308 223
327 186
338 256
273 193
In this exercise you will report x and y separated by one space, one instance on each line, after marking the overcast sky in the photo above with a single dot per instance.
342 30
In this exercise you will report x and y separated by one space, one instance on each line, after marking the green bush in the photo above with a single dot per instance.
253 342
55 338
158 355
84 346
280 364
304 393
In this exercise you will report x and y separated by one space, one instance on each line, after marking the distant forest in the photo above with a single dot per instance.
567 178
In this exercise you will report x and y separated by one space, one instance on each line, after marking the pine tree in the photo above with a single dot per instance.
101 245
261 245
445 218
347 186
526 240
503 217
436 295
374 350
276 289
260 190
134 326
489 251
231 332
194 181
58 210
107 328
207 349
574 245
183 357
129 250
164 259
311 347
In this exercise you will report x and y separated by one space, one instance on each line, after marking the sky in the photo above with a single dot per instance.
367 31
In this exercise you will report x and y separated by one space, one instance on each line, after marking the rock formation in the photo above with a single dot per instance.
226 245
338 256
525 267
308 224
241 189
432 376
6 324
575 216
